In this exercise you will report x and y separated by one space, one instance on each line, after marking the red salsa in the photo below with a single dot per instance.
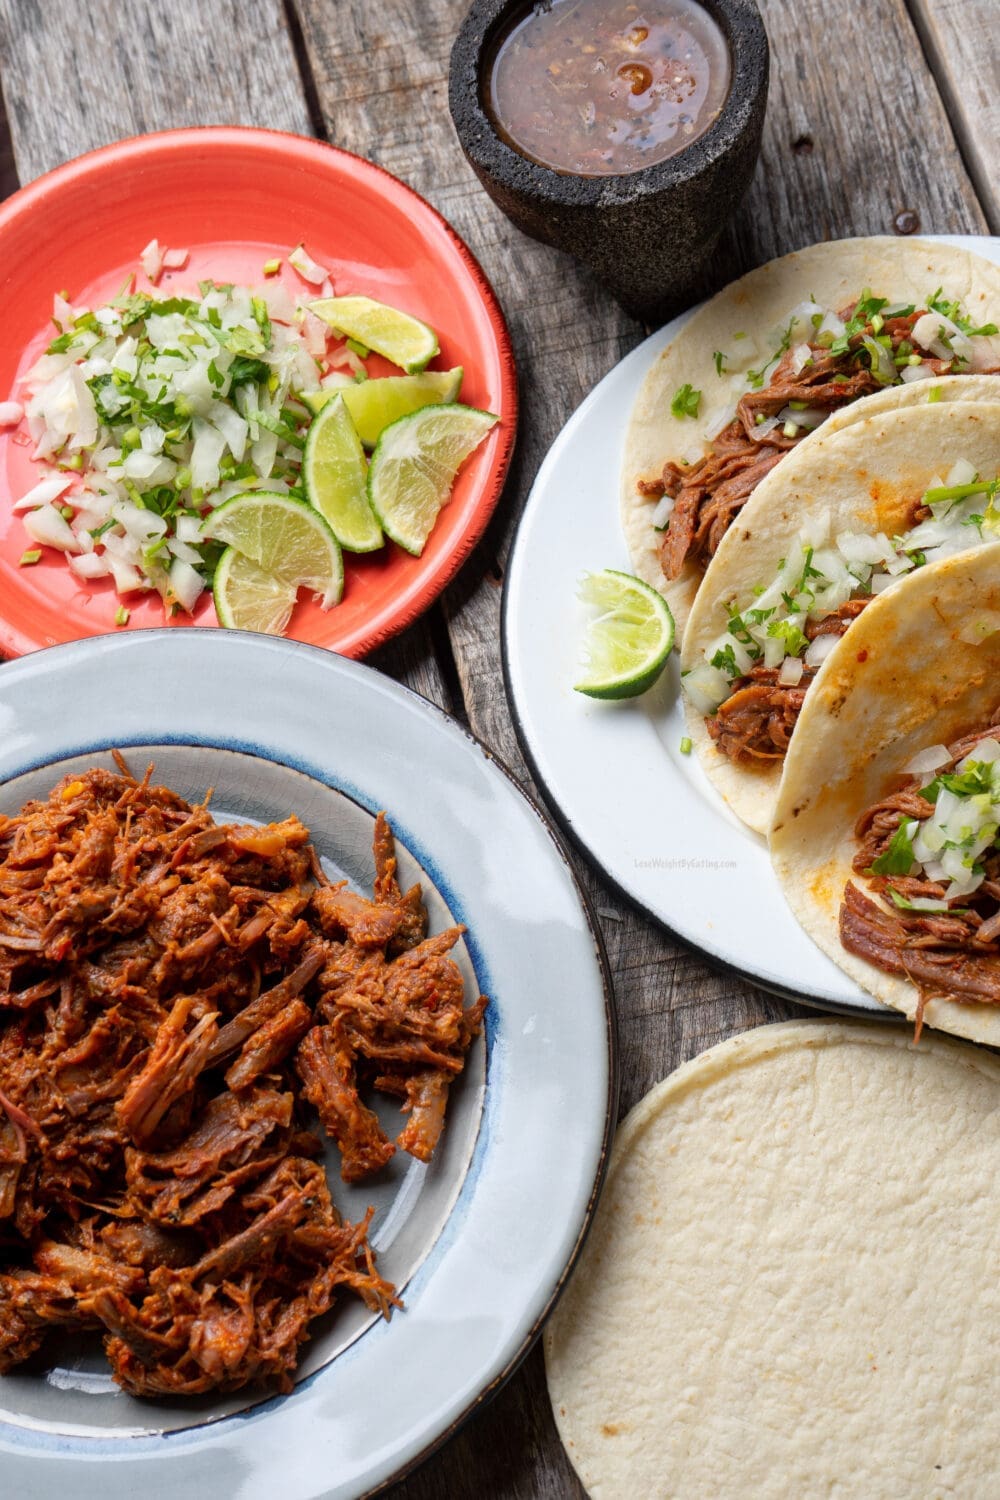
598 87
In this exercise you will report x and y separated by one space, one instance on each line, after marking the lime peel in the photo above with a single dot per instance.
628 643
335 474
285 537
248 598
398 336
375 404
414 466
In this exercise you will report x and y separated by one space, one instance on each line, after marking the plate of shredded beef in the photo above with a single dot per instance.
280 991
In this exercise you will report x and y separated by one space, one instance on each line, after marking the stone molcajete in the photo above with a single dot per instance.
646 233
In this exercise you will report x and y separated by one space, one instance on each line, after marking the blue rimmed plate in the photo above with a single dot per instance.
482 1239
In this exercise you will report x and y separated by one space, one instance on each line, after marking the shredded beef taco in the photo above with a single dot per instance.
768 360
885 836
843 519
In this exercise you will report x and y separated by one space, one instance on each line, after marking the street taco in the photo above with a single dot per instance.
885 835
843 519
767 360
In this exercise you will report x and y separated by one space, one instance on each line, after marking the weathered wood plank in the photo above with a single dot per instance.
167 65
962 41
73 81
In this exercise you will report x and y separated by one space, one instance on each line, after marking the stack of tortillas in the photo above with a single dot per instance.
791 1287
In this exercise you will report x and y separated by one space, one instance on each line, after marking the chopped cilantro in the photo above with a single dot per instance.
724 660
795 639
720 361
686 402
898 858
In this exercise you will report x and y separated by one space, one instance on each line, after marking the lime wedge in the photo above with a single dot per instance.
247 598
374 404
335 473
285 538
414 465
628 643
395 335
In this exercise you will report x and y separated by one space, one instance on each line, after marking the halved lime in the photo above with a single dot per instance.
375 404
335 474
414 465
396 335
628 642
285 538
247 598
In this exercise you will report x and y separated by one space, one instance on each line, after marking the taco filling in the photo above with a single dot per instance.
754 676
823 361
930 850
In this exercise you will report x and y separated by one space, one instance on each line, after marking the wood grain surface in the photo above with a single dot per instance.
961 41
877 121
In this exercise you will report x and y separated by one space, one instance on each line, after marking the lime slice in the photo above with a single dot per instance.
374 404
247 598
284 537
335 473
395 335
414 465
628 643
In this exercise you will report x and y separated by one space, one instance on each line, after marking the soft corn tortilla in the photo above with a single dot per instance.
790 1289
759 304
899 681
869 475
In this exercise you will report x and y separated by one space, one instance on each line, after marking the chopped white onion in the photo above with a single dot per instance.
931 759
706 687
943 338
909 373
986 752
185 584
11 413
175 260
818 650
761 430
811 417
801 355
307 268
44 491
661 515
151 260
91 565
47 526
791 672
188 529
962 472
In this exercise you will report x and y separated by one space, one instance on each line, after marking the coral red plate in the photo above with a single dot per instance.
236 198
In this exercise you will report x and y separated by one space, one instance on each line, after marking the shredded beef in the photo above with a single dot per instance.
952 954
710 493
174 994
755 722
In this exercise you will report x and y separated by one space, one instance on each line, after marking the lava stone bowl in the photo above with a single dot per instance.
647 233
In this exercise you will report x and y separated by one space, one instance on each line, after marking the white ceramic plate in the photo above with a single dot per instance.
481 1240
613 772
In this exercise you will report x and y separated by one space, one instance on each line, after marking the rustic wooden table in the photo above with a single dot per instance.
882 117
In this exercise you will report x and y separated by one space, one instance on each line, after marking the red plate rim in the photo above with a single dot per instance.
308 151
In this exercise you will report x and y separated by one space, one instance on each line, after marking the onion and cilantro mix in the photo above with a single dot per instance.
823 572
946 846
940 343
157 409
